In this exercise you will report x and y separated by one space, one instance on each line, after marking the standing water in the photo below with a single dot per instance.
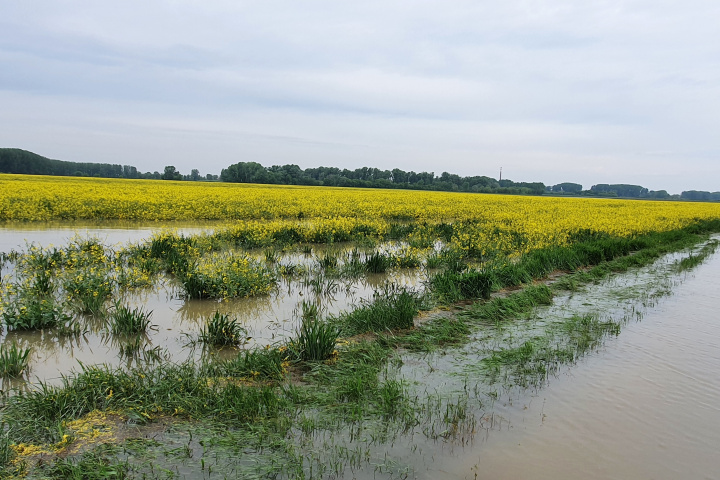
645 407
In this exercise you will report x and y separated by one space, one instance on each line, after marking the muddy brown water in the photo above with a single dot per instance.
268 319
647 406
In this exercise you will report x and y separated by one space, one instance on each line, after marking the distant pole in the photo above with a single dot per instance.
501 174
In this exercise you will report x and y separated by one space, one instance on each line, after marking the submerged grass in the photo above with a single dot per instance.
260 393
513 306
126 321
222 330
13 360
532 361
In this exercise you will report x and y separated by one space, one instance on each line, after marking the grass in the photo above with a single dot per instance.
126 321
223 330
353 393
315 340
510 307
534 359
98 464
695 259
451 286
436 334
258 364
13 360
378 262
391 308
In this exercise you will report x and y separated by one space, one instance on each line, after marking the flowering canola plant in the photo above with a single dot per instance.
261 215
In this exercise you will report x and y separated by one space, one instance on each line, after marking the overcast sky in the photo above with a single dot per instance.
583 91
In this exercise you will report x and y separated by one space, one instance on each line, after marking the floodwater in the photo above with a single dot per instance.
176 322
647 406
17 235
644 405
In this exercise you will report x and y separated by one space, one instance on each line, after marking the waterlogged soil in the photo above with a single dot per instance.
177 321
640 402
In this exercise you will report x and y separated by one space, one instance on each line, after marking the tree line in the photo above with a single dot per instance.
15 160
368 177
631 191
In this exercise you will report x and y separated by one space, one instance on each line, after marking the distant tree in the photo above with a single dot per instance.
660 194
171 173
567 187
194 174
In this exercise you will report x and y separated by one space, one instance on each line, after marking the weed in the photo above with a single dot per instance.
125 321
94 465
223 330
258 364
391 308
450 286
378 262
315 340
13 360
512 306
7 454
431 336
31 313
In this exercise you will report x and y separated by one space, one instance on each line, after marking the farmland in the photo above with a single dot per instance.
307 244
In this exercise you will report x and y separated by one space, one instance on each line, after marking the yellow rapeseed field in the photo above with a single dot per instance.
261 212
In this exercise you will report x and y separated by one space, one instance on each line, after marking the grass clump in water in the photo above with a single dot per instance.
126 321
223 330
378 262
315 340
391 308
13 360
451 286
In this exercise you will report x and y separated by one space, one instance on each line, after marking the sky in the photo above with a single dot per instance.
593 91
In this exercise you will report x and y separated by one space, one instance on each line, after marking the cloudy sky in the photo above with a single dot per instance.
594 91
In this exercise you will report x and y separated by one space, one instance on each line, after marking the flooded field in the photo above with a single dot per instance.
611 374
645 405
176 320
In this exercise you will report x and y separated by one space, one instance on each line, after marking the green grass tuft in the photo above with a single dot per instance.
222 330
126 321
13 360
